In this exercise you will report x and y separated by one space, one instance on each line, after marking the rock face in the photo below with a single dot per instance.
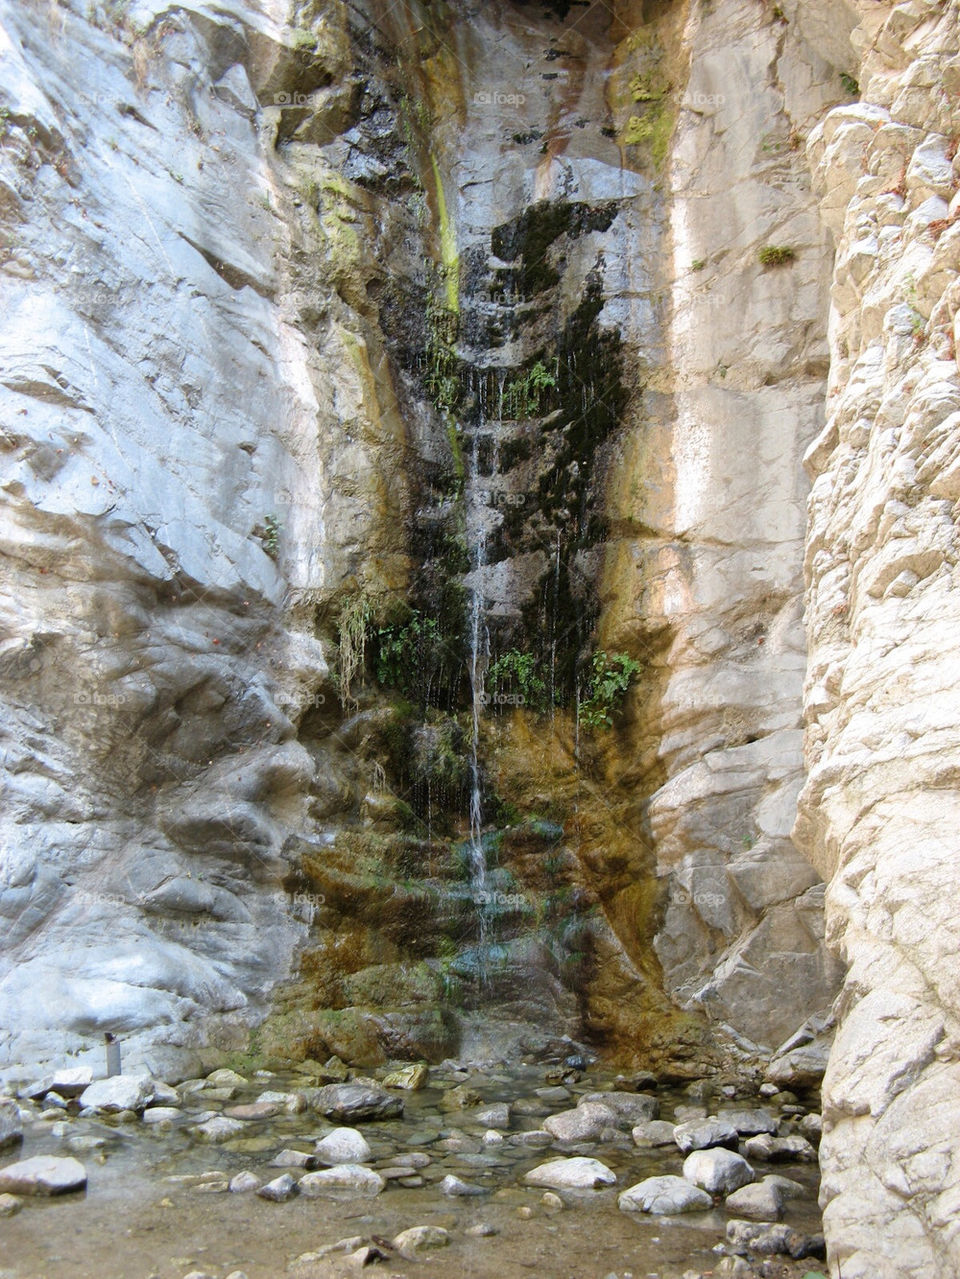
209 474
878 810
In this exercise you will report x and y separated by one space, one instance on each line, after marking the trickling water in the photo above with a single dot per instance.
476 514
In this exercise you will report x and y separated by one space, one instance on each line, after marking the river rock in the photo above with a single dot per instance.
43 1175
225 1078
760 1201
9 1205
655 1132
629 1107
482 1230
416 1240
463 1097
279 1190
749 1123
356 1102
293 1159
780 1149
69 1082
159 1114
811 1126
585 1123
244 1182
218 1129
343 1146
254 1110
454 1188
664 1196
344 1178
717 1170
495 1116
788 1188
119 1092
702 1134
11 1125
762 1237
576 1173
411 1078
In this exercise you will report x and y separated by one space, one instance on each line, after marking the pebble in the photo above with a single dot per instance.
482 1230
413 1159
664 1196
812 1126
9 1204
224 1078
552 1202
463 1097
279 1190
535 1138
492 1138
243 1182
717 1170
212 1188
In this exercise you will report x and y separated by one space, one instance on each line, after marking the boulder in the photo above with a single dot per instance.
630 1107
356 1102
585 1123
749 1123
218 1129
43 1175
419 1239
780 1149
454 1188
279 1190
655 1132
11 1125
344 1178
665 1196
760 1201
411 1078
702 1134
717 1170
343 1146
119 1092
577 1173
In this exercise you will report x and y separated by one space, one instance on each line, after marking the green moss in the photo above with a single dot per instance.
775 254
652 130
449 255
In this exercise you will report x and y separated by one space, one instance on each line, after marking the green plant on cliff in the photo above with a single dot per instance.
516 674
353 624
525 396
850 84
775 254
610 676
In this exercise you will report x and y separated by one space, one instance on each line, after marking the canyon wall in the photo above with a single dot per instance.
293 293
878 809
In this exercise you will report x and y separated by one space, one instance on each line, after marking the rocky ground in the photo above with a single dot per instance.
473 1171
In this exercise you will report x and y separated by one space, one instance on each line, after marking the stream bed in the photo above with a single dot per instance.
159 1203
